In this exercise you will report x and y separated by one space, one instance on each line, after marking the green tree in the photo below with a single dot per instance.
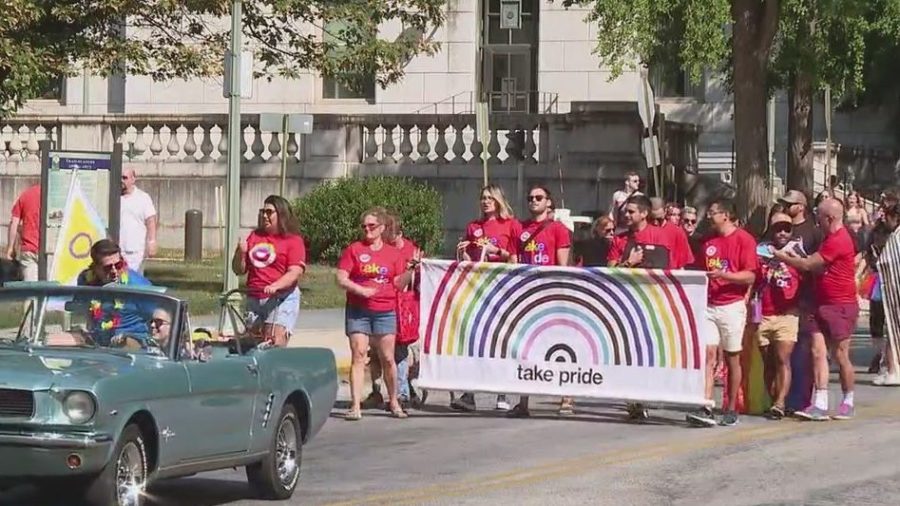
826 43
41 40
700 35
762 45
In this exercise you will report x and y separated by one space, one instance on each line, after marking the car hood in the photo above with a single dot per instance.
40 369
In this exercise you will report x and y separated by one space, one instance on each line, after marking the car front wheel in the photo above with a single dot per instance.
276 476
124 479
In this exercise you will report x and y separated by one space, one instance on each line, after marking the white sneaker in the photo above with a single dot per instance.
502 404
886 380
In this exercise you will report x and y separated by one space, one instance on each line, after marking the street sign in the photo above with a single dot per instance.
285 123
296 123
246 73
646 100
651 151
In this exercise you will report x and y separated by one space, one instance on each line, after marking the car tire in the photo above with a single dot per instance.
276 476
128 465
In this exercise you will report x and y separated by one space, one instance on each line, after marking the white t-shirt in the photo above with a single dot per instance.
136 208
618 200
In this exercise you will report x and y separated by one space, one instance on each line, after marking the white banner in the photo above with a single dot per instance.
582 332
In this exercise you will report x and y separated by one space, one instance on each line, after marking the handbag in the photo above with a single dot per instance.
408 314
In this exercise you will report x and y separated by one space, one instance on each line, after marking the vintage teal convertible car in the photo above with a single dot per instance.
104 390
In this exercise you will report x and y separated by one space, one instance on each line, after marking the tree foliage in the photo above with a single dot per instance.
41 40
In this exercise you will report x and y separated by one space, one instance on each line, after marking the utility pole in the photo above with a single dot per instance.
233 176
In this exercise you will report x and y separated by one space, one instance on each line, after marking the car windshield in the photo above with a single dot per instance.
93 318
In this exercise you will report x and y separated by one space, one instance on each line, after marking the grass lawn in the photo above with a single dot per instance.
200 283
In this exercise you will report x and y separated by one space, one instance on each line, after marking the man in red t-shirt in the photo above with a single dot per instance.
730 261
836 308
26 212
777 293
542 242
642 245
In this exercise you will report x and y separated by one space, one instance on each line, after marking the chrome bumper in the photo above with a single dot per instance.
54 440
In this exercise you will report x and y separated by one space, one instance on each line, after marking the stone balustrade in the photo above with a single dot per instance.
180 159
387 139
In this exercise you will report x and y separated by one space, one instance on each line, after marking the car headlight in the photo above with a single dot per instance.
79 406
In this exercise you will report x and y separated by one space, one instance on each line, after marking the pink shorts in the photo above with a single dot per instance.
835 321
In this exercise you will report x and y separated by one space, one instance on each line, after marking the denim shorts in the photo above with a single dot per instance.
284 314
371 323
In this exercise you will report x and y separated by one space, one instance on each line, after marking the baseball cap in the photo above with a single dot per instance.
794 197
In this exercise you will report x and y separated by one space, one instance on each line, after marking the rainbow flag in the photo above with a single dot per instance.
629 334
82 226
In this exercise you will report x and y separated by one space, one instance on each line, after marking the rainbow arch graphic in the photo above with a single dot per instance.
622 317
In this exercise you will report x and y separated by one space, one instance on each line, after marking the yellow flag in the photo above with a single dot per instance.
81 228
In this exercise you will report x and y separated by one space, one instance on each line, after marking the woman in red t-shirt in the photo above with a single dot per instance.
273 257
492 238
371 271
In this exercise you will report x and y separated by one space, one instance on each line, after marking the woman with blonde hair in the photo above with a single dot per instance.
857 217
371 271
494 237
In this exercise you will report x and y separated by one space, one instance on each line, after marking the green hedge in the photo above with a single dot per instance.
329 214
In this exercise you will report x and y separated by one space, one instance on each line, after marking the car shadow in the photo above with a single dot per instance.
198 492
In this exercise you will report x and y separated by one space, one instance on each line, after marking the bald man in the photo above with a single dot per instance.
137 223
836 309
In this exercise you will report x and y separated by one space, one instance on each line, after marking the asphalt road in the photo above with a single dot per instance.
441 457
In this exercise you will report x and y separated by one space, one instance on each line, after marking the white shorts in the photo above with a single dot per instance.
725 326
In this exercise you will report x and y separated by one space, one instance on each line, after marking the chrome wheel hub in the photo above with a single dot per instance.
286 453
130 475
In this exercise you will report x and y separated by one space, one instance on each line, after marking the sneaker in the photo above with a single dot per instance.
518 411
465 402
729 419
703 417
374 401
844 412
886 380
566 407
812 413
638 413
775 413
502 404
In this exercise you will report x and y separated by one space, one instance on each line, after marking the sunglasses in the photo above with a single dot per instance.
267 212
780 227
159 322
690 222
608 230
370 226
118 266
535 198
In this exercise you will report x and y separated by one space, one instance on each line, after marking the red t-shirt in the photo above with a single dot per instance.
650 235
28 209
735 252
268 258
503 233
682 256
407 251
370 268
837 283
540 247
778 285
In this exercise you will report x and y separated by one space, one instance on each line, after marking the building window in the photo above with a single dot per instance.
54 90
670 81
332 87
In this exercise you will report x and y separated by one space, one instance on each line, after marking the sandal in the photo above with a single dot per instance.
399 413
353 415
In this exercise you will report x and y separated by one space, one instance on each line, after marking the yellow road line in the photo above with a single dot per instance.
579 465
